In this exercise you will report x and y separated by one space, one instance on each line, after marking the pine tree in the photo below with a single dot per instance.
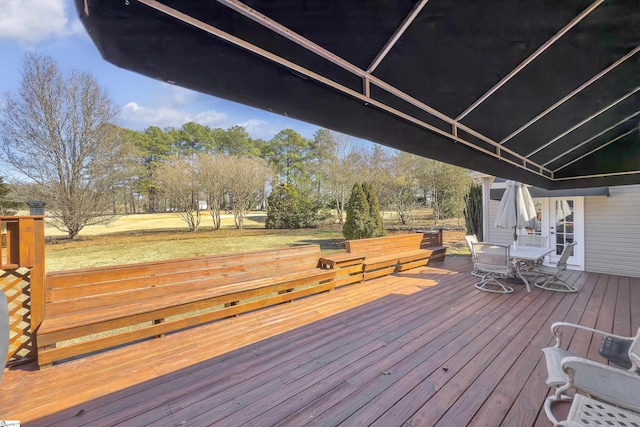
287 207
358 220
283 207
6 205
376 225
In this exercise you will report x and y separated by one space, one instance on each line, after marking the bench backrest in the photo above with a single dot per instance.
384 245
104 283
430 239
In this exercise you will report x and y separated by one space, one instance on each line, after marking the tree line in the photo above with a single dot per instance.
60 133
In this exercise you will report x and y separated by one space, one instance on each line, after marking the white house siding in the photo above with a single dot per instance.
497 235
612 232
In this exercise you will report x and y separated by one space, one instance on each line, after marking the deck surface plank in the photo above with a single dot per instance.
622 312
515 382
420 347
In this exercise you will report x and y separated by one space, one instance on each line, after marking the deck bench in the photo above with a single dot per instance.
348 267
397 252
139 301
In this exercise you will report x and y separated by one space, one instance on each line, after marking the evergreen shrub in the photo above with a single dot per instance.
473 211
376 226
287 207
363 214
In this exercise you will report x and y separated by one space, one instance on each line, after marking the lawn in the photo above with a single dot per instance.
148 237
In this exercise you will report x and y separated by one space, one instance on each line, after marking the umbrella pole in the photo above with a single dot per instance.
515 229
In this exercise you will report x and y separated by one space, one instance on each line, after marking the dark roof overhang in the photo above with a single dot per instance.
544 92
498 188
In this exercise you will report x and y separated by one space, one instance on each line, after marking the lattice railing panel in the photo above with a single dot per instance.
16 286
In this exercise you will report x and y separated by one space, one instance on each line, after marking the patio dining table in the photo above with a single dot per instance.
526 255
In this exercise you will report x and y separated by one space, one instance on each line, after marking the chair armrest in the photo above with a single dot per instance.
555 328
568 423
616 386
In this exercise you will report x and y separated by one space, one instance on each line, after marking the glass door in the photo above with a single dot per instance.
566 225
562 220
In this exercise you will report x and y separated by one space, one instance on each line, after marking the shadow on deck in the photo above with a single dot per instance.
418 348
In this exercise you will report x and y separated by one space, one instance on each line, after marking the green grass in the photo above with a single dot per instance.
128 248
149 243
142 238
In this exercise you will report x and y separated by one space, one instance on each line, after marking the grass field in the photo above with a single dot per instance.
148 237
157 221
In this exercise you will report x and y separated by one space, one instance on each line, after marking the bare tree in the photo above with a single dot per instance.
214 174
374 166
403 185
446 185
335 156
248 176
59 132
180 184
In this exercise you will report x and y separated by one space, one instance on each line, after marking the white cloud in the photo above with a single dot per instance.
181 96
32 21
259 128
76 27
208 118
139 116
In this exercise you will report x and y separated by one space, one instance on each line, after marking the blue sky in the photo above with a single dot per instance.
51 27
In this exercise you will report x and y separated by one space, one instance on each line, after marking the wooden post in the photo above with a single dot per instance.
12 246
37 276
24 249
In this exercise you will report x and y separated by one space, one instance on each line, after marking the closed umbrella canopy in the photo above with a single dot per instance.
516 208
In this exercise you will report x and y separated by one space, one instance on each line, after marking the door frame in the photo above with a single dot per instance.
576 261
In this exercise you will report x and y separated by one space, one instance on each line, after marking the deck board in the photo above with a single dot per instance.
421 347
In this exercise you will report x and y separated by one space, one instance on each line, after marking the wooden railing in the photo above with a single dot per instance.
22 281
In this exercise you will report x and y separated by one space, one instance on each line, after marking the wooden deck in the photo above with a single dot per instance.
419 348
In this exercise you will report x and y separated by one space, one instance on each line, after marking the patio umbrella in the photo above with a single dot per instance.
516 208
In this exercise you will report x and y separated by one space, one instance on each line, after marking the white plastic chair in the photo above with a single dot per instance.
471 239
550 278
588 412
565 371
492 263
532 240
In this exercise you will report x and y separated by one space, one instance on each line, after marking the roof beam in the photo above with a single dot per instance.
396 35
328 82
593 137
576 126
531 58
289 34
596 149
600 175
524 163
572 94
330 56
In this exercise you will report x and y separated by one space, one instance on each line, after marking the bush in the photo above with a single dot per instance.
288 208
376 226
363 214
473 211
357 224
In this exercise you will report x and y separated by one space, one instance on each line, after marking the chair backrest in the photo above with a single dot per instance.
471 239
564 256
634 351
532 240
492 258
